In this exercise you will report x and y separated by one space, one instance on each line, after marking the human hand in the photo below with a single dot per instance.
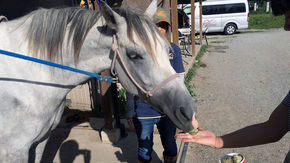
203 137
130 123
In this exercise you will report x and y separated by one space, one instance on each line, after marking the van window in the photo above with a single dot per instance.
223 9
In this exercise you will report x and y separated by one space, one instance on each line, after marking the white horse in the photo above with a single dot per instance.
33 95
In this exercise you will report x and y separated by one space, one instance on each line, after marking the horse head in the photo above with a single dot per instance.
144 53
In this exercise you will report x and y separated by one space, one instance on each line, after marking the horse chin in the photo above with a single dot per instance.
180 120
178 105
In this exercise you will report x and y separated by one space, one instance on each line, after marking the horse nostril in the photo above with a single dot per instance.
187 113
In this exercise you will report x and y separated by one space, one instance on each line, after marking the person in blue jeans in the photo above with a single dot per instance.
144 117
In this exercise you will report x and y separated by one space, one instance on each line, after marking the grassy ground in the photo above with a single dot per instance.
265 21
192 71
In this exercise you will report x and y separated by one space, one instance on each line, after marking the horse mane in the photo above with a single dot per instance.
48 27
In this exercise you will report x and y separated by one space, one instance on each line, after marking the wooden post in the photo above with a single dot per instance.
106 94
93 87
200 22
174 21
192 28
106 101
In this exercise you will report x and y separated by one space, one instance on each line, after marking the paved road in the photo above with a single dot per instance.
245 78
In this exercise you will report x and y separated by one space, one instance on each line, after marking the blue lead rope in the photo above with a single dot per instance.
99 77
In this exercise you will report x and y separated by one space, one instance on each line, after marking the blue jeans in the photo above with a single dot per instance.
144 130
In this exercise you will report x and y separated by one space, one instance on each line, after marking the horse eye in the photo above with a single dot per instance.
134 56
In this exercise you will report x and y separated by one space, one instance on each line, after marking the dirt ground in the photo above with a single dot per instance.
245 78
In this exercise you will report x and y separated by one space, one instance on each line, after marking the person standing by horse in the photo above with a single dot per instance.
144 117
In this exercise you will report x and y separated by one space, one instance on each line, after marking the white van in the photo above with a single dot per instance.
221 15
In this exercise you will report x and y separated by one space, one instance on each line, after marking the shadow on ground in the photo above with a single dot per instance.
64 148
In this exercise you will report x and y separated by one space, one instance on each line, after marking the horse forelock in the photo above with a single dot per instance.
48 28
142 26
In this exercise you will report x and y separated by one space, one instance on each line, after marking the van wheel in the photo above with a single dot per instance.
230 29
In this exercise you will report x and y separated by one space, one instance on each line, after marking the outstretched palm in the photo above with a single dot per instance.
203 137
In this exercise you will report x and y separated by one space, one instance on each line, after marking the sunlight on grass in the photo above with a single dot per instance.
265 21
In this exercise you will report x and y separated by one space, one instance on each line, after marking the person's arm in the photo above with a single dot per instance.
177 62
130 109
130 105
270 131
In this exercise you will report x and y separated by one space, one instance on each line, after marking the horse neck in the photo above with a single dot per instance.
94 57
13 32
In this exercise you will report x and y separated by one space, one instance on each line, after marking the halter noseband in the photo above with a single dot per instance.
147 93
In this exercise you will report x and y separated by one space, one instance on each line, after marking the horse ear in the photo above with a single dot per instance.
151 9
112 19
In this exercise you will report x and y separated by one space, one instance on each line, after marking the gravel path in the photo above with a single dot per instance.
245 78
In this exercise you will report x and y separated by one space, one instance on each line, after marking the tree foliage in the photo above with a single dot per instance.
258 1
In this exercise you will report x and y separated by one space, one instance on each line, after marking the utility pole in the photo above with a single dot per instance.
200 22
192 2
174 19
